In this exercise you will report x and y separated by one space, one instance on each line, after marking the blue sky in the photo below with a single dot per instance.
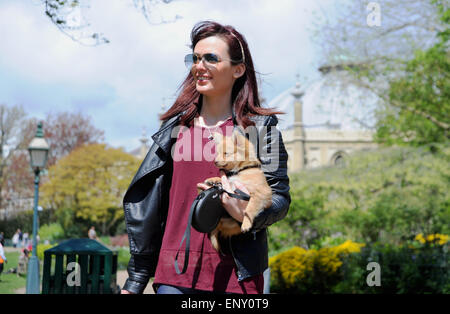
121 85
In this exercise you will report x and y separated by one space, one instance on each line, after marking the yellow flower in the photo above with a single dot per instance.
440 239
420 238
443 238
296 264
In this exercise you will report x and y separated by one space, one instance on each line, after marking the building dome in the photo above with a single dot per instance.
331 102
325 120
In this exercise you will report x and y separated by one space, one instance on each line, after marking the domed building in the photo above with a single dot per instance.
324 122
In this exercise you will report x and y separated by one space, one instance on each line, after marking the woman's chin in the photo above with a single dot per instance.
204 89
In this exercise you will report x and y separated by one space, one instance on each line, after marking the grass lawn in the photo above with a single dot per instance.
11 282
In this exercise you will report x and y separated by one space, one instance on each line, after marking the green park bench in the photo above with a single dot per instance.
96 263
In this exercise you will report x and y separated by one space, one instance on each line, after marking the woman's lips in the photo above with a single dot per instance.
203 80
203 77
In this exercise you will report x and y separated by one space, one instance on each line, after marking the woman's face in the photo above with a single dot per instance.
215 79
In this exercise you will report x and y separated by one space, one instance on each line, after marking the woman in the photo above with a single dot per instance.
219 93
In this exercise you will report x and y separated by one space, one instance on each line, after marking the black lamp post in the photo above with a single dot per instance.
38 159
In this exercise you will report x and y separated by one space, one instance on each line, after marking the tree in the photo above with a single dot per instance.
89 184
419 101
69 16
13 138
377 50
404 61
419 98
64 131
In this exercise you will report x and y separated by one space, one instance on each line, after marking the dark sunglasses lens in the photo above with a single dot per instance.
211 58
189 60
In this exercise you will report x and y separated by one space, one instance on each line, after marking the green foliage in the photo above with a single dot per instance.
309 271
24 221
87 186
418 100
51 232
411 268
388 195
41 248
404 269
123 257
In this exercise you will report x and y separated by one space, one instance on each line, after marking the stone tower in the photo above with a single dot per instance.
299 130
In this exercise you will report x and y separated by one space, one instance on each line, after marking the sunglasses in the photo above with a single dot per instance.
210 59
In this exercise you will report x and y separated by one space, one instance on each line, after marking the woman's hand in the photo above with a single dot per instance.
235 207
125 292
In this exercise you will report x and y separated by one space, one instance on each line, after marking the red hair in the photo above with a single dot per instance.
244 96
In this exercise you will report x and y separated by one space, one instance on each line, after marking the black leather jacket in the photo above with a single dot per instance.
147 199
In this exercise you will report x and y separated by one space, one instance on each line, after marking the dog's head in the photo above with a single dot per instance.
234 152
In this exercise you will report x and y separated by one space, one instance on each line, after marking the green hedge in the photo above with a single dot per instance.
411 268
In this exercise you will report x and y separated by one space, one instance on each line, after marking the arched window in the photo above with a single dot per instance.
338 159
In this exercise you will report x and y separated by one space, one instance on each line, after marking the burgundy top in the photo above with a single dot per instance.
208 270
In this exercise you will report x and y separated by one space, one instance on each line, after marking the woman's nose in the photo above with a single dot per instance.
201 64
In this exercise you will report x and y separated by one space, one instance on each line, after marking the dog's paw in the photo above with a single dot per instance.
213 181
246 225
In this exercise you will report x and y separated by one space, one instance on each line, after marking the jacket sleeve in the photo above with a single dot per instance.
274 159
140 269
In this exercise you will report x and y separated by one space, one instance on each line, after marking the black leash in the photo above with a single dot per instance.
187 233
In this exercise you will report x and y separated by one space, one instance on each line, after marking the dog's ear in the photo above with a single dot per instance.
245 144
240 140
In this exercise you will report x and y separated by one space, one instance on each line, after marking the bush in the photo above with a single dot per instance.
418 266
309 271
41 248
51 232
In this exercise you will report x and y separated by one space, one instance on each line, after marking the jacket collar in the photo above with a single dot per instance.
163 138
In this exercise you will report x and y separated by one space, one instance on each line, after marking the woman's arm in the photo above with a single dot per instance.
274 159
140 270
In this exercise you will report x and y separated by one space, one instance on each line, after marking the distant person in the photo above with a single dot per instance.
15 238
92 234
3 259
20 237
23 262
26 237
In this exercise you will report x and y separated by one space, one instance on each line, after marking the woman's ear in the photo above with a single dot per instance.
239 70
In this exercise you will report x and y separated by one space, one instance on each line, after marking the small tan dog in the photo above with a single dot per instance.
237 157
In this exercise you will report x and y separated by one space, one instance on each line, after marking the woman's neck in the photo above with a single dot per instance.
215 109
